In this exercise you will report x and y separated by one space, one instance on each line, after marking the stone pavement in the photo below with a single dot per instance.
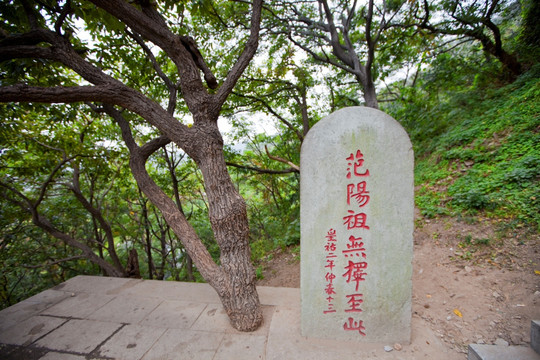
92 317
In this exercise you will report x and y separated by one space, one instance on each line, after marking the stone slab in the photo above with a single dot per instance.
172 314
96 284
289 297
535 335
80 336
241 347
170 290
181 344
501 352
14 352
29 330
357 193
215 319
62 356
286 342
130 343
80 305
126 309
29 307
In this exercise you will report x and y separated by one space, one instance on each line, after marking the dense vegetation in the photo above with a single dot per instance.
69 200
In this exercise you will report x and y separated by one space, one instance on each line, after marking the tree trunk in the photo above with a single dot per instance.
234 280
228 217
189 268
132 268
370 95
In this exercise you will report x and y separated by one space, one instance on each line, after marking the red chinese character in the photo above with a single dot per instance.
329 289
355 272
355 326
331 235
356 165
329 264
356 247
330 309
330 277
359 195
330 247
354 302
355 220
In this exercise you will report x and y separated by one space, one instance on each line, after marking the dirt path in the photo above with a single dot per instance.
470 285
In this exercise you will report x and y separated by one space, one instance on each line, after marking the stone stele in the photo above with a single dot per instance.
357 204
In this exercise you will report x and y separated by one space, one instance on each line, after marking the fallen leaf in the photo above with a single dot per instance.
458 313
537 272
428 296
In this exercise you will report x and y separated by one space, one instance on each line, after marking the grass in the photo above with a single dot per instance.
489 162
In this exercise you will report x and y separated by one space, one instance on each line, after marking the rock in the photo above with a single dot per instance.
388 348
398 347
72 294
480 342
537 293
501 342
515 338
468 269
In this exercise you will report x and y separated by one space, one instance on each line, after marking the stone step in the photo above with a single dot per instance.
535 335
501 352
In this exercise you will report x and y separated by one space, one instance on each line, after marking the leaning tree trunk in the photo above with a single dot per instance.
228 217
234 279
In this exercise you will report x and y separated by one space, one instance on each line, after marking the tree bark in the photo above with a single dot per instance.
228 217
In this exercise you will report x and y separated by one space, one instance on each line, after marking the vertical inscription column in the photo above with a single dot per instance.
356 228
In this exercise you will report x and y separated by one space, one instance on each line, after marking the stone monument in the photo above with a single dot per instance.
357 204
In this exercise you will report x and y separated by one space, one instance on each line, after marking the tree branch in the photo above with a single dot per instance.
245 58
260 170
277 158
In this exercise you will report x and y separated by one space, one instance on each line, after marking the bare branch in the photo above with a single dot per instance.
262 171
277 158
54 262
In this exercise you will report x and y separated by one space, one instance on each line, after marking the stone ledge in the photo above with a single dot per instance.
501 352
535 335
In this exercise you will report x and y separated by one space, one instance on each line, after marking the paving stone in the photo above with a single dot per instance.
96 284
29 307
126 309
241 347
29 330
130 343
215 319
61 356
81 336
181 344
171 290
284 339
15 352
80 305
172 314
275 296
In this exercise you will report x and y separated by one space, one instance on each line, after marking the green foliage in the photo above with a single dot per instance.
489 160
